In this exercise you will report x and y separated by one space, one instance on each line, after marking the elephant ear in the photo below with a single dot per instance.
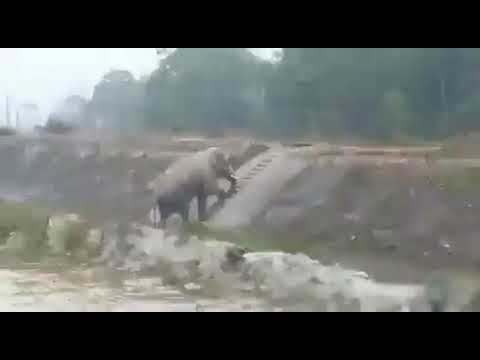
230 158
218 161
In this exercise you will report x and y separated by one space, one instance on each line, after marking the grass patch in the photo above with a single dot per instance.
466 146
30 222
466 181
253 239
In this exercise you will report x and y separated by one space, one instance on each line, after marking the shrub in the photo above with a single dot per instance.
56 126
7 131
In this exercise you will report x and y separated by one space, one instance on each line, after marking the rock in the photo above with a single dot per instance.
230 256
446 246
280 275
140 155
220 265
234 255
298 278
353 218
192 287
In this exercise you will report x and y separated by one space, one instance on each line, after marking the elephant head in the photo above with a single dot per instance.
220 164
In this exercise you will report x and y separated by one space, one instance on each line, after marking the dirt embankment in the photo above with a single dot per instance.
425 216
398 211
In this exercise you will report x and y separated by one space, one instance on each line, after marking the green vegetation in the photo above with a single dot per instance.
57 126
30 231
248 238
7 131
117 101
460 181
29 224
381 94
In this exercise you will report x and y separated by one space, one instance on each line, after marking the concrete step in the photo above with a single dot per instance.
257 189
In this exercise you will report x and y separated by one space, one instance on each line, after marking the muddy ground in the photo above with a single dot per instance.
399 222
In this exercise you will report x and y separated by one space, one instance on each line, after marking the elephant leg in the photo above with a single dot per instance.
202 206
184 212
162 215
164 210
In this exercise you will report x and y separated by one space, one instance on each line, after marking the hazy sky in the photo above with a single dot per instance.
47 75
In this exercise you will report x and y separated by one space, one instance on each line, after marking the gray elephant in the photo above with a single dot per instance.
193 176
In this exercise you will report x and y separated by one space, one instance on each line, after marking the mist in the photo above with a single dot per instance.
385 94
46 76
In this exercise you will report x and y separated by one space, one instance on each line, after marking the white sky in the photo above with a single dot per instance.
45 76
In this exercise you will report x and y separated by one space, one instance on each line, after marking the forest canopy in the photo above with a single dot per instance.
365 92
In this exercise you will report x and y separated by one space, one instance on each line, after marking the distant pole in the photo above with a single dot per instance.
444 98
7 109
17 120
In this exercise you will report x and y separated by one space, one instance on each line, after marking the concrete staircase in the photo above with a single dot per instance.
250 170
259 181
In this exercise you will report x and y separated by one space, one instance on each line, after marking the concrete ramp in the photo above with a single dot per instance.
259 181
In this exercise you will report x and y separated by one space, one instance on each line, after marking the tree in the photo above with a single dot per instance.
364 92
357 85
28 116
206 88
72 109
117 101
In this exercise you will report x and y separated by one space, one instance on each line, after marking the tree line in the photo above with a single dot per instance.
379 93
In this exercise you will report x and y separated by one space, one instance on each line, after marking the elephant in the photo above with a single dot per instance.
192 176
